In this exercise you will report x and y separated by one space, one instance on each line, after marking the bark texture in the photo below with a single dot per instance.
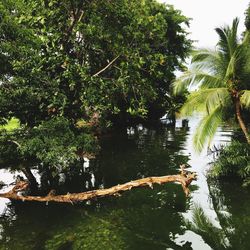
184 178
240 120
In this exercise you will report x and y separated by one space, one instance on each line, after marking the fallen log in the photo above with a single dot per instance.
184 178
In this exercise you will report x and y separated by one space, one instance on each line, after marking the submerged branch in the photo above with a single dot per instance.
185 178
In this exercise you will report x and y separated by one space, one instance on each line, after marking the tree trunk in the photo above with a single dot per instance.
240 120
31 178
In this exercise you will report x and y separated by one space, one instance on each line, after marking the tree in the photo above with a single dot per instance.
116 58
222 78
72 65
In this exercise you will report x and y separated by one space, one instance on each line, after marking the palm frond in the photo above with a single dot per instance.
207 128
236 65
195 78
228 40
231 68
208 63
209 80
232 35
206 60
204 54
205 100
246 38
222 44
182 83
245 98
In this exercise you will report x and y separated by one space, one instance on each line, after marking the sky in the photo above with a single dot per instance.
209 14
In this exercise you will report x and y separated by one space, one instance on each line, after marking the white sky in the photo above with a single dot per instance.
209 14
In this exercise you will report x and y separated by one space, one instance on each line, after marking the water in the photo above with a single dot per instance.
140 219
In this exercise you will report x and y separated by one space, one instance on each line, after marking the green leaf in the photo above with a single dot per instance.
245 98
207 128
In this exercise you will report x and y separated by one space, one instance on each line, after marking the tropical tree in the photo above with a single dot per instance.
221 79
116 58
70 68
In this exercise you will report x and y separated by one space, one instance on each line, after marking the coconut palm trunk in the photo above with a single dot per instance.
240 119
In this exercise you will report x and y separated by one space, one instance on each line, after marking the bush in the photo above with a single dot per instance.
234 161
53 144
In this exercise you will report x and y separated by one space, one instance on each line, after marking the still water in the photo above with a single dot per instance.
143 218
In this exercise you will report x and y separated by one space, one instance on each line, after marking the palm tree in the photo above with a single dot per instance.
222 80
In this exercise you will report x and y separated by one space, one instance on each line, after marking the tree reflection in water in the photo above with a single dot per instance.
140 219
231 203
233 213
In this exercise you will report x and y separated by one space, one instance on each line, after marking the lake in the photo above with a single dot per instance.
142 218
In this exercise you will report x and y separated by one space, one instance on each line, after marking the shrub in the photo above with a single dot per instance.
233 160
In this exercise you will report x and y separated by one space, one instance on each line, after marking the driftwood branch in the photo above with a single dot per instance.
185 178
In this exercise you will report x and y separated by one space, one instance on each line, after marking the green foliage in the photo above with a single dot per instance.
221 79
92 61
207 127
53 145
111 57
8 150
233 160
12 124
18 50
245 99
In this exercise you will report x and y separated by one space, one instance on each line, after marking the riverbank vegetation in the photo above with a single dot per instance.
233 161
71 70
83 85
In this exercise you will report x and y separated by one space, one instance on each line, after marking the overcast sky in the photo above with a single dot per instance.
209 14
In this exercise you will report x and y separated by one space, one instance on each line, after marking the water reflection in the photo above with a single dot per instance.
231 203
139 219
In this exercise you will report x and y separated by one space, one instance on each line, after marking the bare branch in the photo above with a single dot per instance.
15 142
184 178
107 66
